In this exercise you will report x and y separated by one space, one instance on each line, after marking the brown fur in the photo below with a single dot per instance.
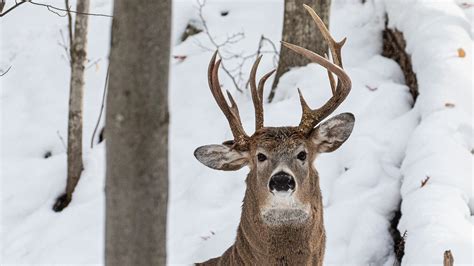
282 215
260 244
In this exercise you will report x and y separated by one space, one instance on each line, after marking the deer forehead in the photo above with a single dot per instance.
279 140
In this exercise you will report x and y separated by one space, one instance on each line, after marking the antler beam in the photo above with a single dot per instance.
231 112
311 117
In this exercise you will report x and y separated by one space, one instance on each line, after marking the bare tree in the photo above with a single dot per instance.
137 134
299 29
78 45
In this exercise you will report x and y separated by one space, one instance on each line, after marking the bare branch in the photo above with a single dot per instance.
11 8
69 26
62 140
216 45
236 74
50 8
5 72
104 93
63 44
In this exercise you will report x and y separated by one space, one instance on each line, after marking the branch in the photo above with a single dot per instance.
68 10
6 71
50 8
11 8
69 25
101 106
236 78
217 46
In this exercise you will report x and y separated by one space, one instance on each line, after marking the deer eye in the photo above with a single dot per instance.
261 157
301 156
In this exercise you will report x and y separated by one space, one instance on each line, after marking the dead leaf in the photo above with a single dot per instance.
423 182
180 58
449 105
461 53
466 5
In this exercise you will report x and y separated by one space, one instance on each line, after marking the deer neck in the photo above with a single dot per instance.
293 245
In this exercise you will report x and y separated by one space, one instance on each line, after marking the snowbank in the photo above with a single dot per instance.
438 216
360 182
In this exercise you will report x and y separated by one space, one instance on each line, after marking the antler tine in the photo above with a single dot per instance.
332 82
231 112
334 46
261 84
257 93
257 103
310 117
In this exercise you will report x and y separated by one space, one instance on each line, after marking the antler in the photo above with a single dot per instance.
310 118
257 94
231 112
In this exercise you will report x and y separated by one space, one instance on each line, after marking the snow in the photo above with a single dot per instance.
392 149
438 216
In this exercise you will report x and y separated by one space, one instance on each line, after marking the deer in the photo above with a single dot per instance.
282 213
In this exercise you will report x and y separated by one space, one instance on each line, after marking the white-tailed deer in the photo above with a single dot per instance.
282 213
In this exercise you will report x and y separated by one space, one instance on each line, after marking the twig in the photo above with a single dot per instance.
216 45
236 78
423 182
64 46
259 52
11 8
71 34
104 93
6 71
68 10
62 141
92 63
53 9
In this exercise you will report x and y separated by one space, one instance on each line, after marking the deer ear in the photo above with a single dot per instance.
221 157
330 134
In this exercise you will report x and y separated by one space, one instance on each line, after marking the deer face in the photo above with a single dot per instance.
282 179
282 176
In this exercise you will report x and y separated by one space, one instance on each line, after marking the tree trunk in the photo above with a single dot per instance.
299 29
74 139
137 134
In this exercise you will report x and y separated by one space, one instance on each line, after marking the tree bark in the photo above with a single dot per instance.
299 29
137 134
74 140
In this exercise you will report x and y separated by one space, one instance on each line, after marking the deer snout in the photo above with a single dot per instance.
282 181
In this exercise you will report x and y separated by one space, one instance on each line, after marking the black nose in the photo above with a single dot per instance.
282 181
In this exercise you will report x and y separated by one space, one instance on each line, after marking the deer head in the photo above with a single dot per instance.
282 178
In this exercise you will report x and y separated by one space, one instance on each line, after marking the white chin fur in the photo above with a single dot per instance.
284 209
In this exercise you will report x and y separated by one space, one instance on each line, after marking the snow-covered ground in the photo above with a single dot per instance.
438 216
392 149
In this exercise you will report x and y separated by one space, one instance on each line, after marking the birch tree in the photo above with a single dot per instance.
78 56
